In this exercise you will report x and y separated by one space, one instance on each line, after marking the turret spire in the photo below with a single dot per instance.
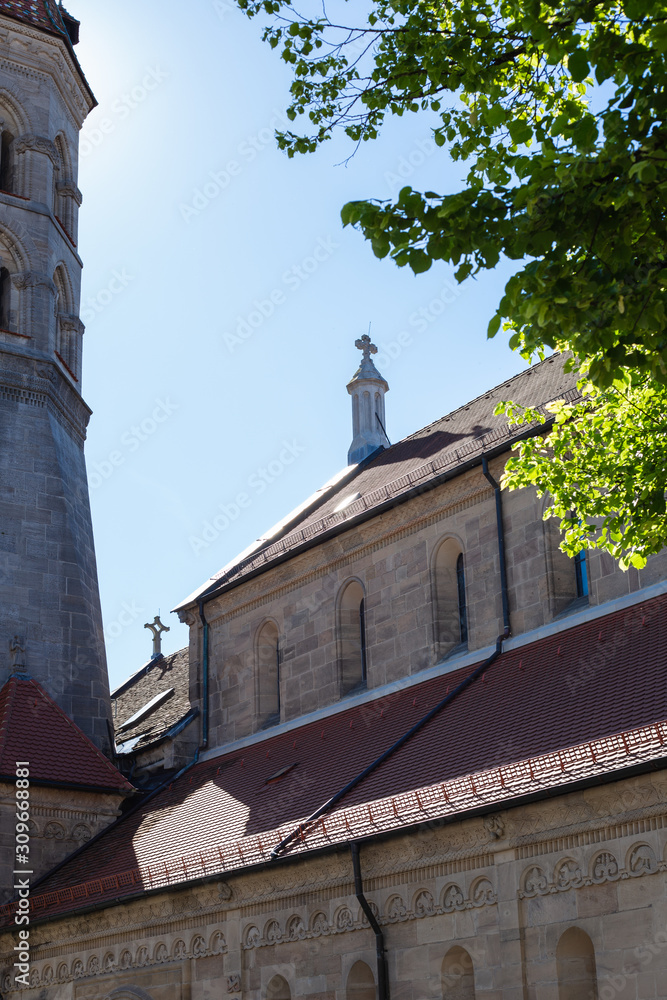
367 388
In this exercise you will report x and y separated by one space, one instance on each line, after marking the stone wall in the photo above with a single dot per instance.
502 890
392 556
61 821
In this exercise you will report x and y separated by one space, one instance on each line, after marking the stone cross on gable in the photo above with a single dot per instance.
364 344
157 628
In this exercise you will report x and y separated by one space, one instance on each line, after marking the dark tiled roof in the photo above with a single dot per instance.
159 676
40 13
34 728
417 460
586 701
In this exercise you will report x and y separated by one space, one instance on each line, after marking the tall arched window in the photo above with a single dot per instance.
581 573
450 611
268 674
360 983
575 959
5 299
278 989
458 975
6 162
352 637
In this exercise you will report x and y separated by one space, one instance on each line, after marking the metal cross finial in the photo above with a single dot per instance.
157 628
365 345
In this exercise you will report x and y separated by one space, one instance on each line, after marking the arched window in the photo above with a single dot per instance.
450 609
352 637
458 975
268 674
63 204
581 573
278 989
575 959
68 330
360 983
5 299
6 162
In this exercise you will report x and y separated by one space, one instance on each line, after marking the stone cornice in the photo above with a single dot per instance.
66 76
39 383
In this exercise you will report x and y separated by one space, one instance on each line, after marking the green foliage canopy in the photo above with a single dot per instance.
558 109
604 459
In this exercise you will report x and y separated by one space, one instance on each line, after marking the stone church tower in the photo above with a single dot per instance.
50 619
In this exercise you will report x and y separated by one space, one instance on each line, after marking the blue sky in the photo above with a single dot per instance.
222 299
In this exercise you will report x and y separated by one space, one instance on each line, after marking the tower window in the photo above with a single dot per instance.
6 172
5 299
581 573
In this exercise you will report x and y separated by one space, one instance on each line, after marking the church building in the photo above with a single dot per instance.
411 751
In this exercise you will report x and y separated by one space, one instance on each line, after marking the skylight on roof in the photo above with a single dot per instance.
148 707
129 745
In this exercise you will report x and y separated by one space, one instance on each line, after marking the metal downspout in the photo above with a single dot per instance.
204 657
383 982
501 545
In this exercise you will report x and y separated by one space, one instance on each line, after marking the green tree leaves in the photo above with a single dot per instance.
602 468
557 107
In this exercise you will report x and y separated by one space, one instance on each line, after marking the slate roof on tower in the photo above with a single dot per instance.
420 461
40 13
33 728
524 727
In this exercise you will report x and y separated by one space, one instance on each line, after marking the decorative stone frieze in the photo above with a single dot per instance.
568 873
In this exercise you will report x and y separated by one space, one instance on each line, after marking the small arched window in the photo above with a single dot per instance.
278 989
352 637
360 983
268 674
6 162
458 975
450 610
575 960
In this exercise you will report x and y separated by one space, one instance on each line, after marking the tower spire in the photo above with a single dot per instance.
367 389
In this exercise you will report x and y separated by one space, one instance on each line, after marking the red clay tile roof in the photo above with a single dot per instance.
34 728
415 461
40 13
587 701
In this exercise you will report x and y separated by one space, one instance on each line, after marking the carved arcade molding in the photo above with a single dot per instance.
122 958
423 904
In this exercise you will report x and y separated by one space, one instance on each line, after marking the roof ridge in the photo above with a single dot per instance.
482 395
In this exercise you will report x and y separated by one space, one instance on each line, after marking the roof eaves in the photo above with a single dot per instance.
218 588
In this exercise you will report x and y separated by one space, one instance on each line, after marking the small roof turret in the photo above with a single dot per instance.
367 388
